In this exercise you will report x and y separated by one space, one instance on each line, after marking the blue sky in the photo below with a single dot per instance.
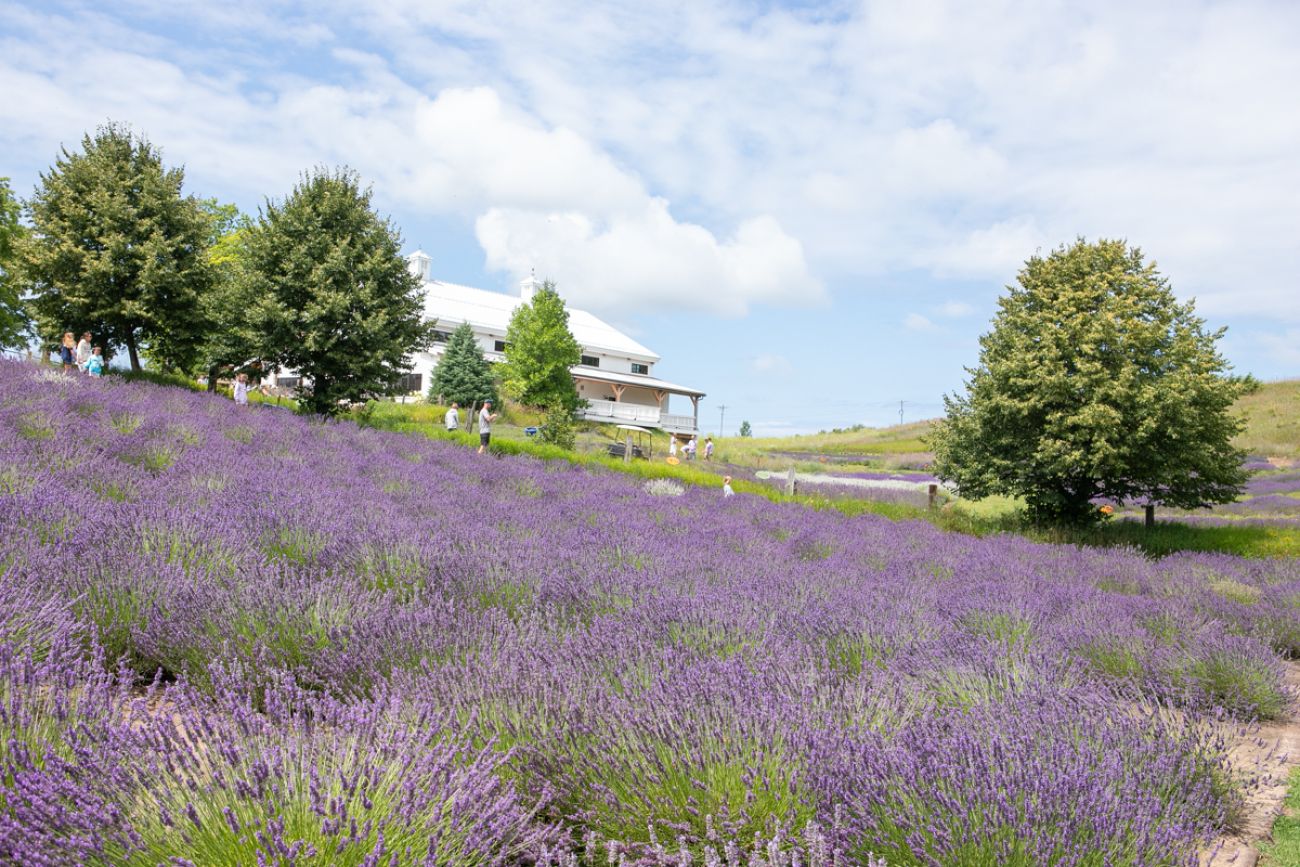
809 210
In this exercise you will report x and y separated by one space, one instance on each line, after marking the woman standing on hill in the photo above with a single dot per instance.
67 352
83 351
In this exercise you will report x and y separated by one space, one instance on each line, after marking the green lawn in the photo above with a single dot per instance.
1284 850
981 518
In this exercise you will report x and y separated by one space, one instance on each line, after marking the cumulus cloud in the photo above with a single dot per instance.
792 144
917 322
541 197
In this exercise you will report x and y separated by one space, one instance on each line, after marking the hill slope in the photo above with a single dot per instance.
1272 430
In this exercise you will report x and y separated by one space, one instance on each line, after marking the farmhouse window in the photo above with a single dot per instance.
590 361
499 346
410 383
643 369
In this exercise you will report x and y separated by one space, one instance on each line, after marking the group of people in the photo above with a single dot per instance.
689 448
485 418
81 355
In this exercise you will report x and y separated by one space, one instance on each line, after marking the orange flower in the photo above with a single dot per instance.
1107 510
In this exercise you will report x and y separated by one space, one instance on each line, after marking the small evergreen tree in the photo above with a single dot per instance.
334 299
540 350
746 430
559 428
15 325
1095 382
463 375
116 249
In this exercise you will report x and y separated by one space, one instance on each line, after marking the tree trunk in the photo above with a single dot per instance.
212 377
1150 517
133 352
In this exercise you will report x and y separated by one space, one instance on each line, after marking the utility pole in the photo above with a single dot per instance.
722 417
900 412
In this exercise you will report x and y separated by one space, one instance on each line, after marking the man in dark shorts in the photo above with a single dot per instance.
485 418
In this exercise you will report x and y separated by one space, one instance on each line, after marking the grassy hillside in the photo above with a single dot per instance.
1272 420
1272 430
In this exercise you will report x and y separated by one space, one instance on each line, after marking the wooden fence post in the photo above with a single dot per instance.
627 450
1151 517
934 496
789 482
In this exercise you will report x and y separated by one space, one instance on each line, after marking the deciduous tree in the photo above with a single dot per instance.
334 299
15 325
1095 383
540 350
233 340
117 249
746 430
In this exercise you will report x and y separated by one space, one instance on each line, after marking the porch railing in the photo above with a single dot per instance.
609 410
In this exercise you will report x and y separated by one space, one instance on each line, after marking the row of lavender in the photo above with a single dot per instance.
375 649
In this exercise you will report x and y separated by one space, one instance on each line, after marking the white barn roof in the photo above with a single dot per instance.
450 303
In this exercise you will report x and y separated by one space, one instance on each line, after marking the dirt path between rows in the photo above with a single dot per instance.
1269 752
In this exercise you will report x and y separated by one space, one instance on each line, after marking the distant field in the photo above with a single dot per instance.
1272 418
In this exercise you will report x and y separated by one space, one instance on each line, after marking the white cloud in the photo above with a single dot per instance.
917 322
540 196
878 139
771 364
954 309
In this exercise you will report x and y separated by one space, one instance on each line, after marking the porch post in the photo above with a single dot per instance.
660 394
695 405
618 391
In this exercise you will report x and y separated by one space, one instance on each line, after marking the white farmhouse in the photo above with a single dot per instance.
615 376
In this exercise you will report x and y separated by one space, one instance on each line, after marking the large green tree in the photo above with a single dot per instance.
15 325
463 375
540 350
334 299
233 341
116 248
1095 382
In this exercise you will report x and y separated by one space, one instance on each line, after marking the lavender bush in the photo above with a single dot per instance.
369 648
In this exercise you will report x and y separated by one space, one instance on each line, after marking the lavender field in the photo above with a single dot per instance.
241 637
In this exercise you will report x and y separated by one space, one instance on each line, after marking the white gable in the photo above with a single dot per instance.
451 304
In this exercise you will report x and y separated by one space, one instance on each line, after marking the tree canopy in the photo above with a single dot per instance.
334 299
463 375
233 340
540 350
15 326
117 249
1094 383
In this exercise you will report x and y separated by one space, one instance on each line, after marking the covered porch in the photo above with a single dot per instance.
627 398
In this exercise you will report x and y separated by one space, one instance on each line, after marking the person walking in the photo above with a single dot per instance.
452 419
726 487
95 363
83 350
689 449
708 448
485 418
68 352
241 390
